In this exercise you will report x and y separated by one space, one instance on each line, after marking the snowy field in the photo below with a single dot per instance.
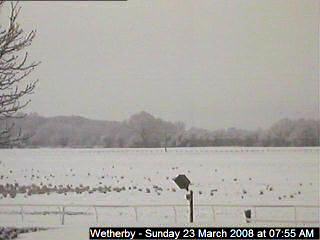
140 177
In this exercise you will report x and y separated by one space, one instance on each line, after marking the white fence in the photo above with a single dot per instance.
294 213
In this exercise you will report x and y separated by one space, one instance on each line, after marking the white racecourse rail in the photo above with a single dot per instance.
64 211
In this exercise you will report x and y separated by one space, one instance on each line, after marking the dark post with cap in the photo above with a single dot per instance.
183 183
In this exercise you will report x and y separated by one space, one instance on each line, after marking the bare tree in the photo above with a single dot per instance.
14 70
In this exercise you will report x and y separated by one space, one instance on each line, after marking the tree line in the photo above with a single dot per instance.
145 130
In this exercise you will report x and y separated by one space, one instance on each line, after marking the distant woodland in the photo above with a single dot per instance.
144 130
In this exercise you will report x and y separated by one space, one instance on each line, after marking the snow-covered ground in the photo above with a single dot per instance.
238 176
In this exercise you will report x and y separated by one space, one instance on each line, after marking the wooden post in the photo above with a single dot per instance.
191 206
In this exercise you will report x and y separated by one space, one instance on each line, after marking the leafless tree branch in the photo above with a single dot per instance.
14 70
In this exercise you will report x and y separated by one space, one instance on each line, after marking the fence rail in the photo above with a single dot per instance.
64 209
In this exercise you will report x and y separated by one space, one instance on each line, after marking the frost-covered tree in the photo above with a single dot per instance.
14 71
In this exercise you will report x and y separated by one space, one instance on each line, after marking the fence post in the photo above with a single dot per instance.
95 209
22 217
175 214
136 212
62 221
213 214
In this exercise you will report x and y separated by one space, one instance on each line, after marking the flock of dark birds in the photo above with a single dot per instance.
12 232
11 190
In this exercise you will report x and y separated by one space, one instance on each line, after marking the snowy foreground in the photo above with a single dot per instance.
139 179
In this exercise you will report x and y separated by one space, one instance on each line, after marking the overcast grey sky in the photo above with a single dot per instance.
211 64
